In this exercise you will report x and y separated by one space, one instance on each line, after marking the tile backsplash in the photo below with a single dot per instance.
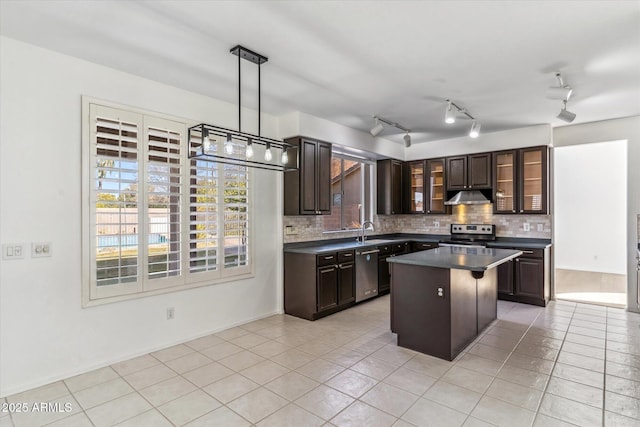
310 227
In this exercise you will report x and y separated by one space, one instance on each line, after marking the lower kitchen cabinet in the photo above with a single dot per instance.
527 278
384 273
318 285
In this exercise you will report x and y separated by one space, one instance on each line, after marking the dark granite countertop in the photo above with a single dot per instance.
458 257
333 245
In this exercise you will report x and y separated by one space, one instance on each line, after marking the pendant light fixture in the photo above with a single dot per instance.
407 140
222 145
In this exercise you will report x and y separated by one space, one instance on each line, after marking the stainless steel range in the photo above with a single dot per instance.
474 235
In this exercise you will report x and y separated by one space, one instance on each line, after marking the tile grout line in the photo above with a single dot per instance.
555 361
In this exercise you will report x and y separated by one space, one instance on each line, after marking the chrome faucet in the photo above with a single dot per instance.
364 224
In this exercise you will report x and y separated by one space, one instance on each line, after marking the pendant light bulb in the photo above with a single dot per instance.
475 130
228 146
267 154
407 140
249 148
285 157
449 115
206 142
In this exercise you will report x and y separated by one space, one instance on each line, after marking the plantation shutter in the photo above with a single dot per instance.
164 199
236 218
116 263
203 215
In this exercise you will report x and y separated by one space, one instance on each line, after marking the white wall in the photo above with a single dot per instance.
616 130
45 335
590 187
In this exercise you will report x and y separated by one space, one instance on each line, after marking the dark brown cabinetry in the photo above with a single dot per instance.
415 195
527 278
389 174
424 187
521 181
469 172
307 191
318 285
435 186
384 272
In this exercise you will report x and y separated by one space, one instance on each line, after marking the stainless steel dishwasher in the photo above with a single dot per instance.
366 274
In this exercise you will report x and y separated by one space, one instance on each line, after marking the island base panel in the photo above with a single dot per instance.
422 319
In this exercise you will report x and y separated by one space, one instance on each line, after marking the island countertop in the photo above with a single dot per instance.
458 257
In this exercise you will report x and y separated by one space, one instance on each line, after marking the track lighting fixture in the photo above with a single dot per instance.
475 129
450 117
375 131
561 92
450 114
566 115
379 127
407 140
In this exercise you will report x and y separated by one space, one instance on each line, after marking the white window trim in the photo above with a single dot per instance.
91 296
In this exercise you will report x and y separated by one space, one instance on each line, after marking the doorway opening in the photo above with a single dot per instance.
590 225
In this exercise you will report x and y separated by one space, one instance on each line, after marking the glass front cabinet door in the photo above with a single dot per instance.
533 184
504 185
436 192
417 189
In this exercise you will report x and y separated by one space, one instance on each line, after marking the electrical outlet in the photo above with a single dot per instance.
171 313
290 229
436 224
526 226
540 227
41 249
13 251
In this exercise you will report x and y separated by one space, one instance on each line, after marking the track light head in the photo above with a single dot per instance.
450 114
566 115
407 140
475 129
375 131
561 92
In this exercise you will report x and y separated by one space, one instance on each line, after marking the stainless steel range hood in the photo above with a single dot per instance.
468 197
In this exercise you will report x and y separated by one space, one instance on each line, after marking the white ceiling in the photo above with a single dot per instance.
347 60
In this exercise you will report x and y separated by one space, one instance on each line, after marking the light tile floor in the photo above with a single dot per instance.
566 364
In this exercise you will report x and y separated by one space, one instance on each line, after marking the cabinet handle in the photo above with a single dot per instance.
517 260
521 210
527 252
328 257
428 211
514 211
347 255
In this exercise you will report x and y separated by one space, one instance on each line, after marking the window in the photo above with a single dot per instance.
156 220
350 188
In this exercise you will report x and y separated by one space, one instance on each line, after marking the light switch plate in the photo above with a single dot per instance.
11 251
526 226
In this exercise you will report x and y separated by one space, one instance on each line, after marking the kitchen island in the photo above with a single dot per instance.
441 299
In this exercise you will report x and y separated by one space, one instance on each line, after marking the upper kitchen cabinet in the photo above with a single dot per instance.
435 186
505 184
415 195
307 191
389 174
533 184
521 181
469 172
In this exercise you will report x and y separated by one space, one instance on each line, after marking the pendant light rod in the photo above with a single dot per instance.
390 123
460 109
